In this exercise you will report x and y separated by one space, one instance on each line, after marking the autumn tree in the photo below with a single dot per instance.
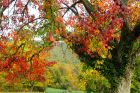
22 57
98 30
107 30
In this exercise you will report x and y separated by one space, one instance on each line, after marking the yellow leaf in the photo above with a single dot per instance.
103 56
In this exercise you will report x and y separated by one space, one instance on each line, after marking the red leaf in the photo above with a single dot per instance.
19 4
5 3
10 77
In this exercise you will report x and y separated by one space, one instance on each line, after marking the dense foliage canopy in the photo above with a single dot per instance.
104 33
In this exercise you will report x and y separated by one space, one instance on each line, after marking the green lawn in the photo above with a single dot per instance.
52 90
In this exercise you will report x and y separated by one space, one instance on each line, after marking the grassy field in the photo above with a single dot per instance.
52 90
23 92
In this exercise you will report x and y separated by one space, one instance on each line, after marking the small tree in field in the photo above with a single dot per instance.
22 58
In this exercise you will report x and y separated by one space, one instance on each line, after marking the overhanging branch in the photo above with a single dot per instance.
89 7
72 8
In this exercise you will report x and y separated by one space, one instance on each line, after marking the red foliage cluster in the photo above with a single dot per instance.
5 3
20 13
18 64
105 24
17 67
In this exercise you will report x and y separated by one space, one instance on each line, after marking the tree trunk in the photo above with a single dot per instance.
125 82
31 89
31 86
124 85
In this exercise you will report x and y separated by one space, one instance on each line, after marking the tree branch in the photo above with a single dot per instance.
89 7
1 12
71 8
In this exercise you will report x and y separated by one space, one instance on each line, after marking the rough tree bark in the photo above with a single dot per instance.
123 59
124 85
